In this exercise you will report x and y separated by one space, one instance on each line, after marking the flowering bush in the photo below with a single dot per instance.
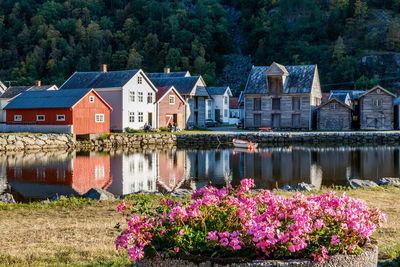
238 223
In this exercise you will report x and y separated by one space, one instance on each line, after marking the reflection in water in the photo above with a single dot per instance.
44 175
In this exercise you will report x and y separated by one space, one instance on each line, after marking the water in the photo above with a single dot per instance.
45 175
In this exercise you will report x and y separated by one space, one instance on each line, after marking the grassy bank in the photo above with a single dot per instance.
81 232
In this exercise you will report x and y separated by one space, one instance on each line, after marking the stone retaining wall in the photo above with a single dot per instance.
32 142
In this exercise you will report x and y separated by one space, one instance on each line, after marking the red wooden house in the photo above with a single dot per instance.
170 107
80 111
74 176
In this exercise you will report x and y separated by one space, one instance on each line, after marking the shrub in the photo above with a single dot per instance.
164 129
238 223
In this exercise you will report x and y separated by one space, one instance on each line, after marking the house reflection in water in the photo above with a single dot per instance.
45 175
148 172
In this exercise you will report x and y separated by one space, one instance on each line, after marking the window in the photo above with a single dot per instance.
226 100
257 103
225 113
60 175
139 80
60 117
132 96
140 96
149 97
276 103
17 117
332 106
172 99
131 116
140 116
378 102
91 99
40 118
99 172
295 103
209 113
99 117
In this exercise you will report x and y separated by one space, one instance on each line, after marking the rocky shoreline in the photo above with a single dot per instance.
34 142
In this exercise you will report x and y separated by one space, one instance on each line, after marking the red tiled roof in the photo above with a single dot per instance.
233 102
325 98
162 91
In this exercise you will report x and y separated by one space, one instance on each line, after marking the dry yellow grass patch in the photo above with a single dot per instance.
59 235
85 236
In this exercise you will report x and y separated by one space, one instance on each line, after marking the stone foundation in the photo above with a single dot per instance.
367 258
33 142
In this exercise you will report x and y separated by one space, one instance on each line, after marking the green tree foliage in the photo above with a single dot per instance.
51 39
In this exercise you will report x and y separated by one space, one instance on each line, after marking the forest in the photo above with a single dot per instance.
49 40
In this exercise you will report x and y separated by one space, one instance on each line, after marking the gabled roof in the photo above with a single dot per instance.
219 90
99 79
276 69
354 94
334 99
168 75
184 85
2 86
299 81
163 91
376 88
342 97
233 102
241 98
50 99
13 91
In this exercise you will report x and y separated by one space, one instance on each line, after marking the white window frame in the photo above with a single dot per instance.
17 117
132 96
131 115
99 118
149 97
140 97
99 172
225 100
140 117
225 113
171 97
91 99
37 117
60 115
140 80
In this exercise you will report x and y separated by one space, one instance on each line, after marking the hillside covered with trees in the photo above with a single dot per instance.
354 42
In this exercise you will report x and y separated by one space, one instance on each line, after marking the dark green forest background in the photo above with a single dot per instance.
49 40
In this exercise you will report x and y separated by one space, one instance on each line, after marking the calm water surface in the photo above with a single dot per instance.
45 175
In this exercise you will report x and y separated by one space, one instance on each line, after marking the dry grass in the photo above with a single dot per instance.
60 236
84 236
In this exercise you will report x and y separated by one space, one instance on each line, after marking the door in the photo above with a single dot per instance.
150 118
276 120
257 120
196 118
175 119
218 115
296 120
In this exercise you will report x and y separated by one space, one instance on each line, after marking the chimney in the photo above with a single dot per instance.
104 67
38 83
167 70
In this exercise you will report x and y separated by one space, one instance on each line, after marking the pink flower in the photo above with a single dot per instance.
176 249
335 240
224 241
212 235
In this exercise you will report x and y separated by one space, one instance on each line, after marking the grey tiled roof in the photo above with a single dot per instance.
16 90
184 85
217 90
354 94
168 75
299 81
339 96
47 99
99 79
13 91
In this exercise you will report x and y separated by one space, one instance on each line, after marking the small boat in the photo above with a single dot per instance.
244 144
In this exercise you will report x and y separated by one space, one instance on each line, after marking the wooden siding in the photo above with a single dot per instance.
376 117
165 110
286 111
84 116
29 116
334 119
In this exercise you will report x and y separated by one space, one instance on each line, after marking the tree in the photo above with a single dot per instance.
135 60
392 41
339 51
